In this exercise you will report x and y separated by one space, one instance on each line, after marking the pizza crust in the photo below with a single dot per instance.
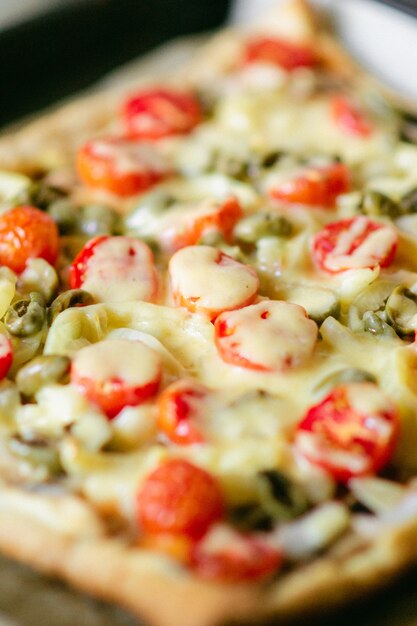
146 583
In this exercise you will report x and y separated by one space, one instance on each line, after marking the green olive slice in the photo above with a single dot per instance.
42 370
401 310
26 317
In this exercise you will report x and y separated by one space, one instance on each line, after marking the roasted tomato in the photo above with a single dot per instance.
119 166
115 373
27 233
352 432
181 499
158 113
228 556
208 281
349 118
268 336
6 355
287 54
317 186
115 269
187 225
354 243
178 407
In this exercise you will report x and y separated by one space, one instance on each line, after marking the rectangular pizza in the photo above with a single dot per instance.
208 315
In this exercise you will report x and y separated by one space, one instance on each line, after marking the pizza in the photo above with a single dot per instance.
208 357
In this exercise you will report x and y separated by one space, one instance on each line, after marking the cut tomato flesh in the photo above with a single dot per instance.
178 406
316 187
286 54
343 436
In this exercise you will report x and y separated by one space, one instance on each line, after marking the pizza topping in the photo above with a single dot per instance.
181 499
68 299
206 280
6 355
348 118
269 336
225 555
158 113
260 224
354 243
116 373
119 166
282 52
27 233
316 186
26 317
401 311
115 269
178 406
352 432
43 370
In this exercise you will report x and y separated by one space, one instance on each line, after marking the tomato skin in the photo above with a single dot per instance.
348 118
158 113
241 558
6 355
181 499
100 168
319 186
79 265
284 53
222 219
177 406
336 428
26 233
325 242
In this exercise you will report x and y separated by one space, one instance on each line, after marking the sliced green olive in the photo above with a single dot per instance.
26 317
40 371
35 452
318 302
278 499
67 300
65 216
342 377
96 219
408 202
401 310
377 204
252 228
374 324
372 298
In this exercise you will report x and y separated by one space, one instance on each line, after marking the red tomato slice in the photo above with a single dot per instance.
352 432
182 228
27 233
317 186
119 166
181 499
208 281
178 406
116 373
225 555
115 269
348 118
6 355
287 54
160 113
354 243
268 336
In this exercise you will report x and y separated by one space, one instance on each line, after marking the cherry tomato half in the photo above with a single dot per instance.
282 52
27 233
6 355
317 186
208 281
228 556
352 432
349 118
115 269
158 113
268 336
178 406
115 373
119 166
181 499
353 243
